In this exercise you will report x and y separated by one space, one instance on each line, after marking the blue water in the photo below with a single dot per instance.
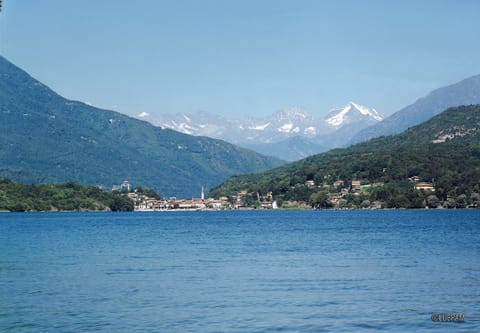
277 271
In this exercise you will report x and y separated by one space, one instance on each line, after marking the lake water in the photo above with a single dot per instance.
265 271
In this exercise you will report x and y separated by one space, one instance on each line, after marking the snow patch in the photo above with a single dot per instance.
258 127
181 127
187 129
310 130
287 128
143 114
367 111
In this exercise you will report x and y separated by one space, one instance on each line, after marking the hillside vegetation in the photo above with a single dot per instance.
16 197
444 151
465 92
45 138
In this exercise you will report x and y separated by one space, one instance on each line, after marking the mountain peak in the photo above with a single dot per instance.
339 117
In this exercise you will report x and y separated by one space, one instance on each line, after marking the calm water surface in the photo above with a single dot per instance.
335 271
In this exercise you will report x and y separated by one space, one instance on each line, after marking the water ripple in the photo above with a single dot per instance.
239 271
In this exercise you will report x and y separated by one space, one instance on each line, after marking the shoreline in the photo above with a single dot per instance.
243 210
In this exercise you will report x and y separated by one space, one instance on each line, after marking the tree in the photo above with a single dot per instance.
365 204
450 203
400 201
279 202
462 201
320 200
250 200
432 201
121 203
475 199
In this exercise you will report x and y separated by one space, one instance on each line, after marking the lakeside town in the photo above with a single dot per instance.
145 203
337 194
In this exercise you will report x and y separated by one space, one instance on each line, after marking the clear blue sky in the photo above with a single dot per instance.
244 56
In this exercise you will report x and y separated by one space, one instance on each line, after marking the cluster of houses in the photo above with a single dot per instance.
454 132
339 189
143 202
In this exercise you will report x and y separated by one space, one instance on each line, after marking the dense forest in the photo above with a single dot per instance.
444 151
16 197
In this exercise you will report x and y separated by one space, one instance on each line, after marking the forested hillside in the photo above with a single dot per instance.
16 197
443 152
45 138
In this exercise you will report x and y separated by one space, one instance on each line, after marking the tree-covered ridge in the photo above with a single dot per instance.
16 197
444 151
45 138
465 92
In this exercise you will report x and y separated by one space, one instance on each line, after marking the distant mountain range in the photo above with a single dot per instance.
465 92
288 134
294 134
45 138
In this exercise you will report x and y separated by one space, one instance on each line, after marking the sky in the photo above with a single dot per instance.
242 57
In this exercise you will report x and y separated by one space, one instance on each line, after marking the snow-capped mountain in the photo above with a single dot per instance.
352 113
282 125
293 121
199 124
249 130
332 131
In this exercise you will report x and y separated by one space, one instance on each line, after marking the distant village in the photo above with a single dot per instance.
243 200
143 202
